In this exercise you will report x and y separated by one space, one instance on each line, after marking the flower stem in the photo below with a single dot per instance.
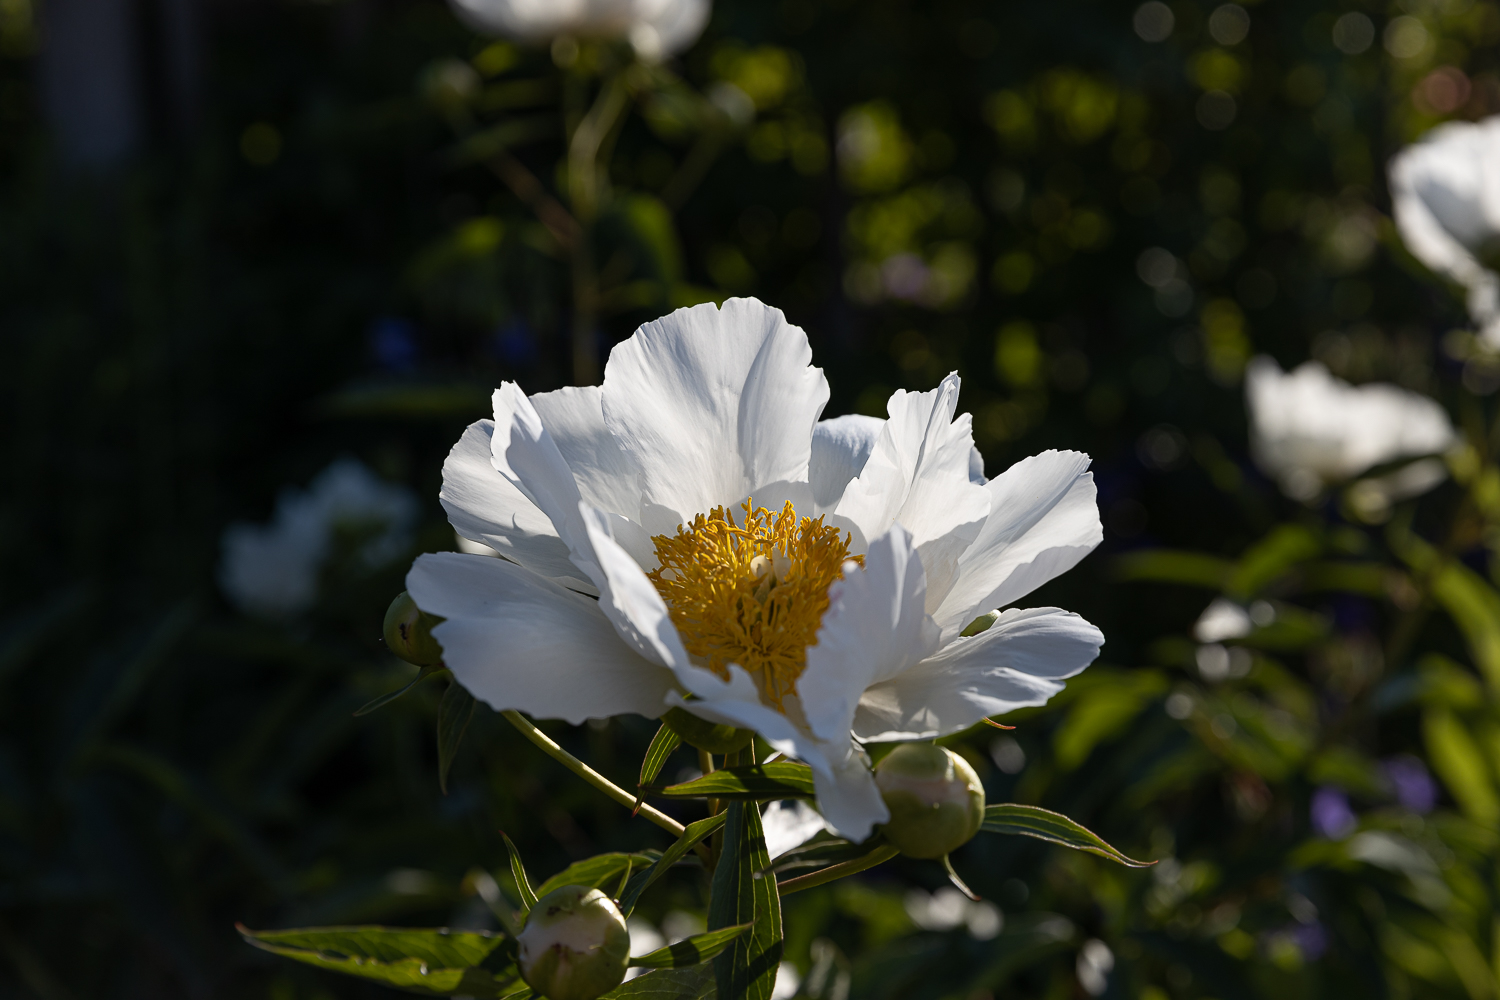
593 777
833 872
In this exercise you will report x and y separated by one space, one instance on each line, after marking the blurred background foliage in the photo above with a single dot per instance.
309 230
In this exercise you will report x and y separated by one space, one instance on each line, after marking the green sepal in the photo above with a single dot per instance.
518 872
391 696
663 743
691 951
434 962
1043 824
743 891
781 780
690 838
598 871
454 713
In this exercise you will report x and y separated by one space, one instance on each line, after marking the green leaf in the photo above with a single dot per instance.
1285 547
436 962
391 696
1457 759
518 872
1168 566
691 951
598 871
454 713
693 835
663 743
696 982
1043 824
781 780
742 893
1471 602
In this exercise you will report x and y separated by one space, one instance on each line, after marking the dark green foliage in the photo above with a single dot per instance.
780 780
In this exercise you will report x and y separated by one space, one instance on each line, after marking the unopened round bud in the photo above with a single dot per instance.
705 735
408 632
575 945
935 799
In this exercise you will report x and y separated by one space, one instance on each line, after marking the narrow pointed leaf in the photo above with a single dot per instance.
598 871
696 982
691 951
663 743
691 837
518 872
434 962
391 696
781 780
1043 824
454 713
743 892
958 883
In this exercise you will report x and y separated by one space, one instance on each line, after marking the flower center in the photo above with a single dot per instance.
752 594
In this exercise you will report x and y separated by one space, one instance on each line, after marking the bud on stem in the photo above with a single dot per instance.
935 798
575 945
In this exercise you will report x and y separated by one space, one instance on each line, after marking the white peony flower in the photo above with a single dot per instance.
806 579
272 569
1310 430
788 825
1445 192
657 28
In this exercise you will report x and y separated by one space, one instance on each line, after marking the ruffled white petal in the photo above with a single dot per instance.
629 599
848 797
918 475
483 506
1044 518
606 476
711 404
876 626
518 641
1020 661
840 448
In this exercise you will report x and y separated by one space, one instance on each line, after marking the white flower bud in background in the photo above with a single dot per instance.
272 570
1445 194
935 798
656 28
575 945
1309 430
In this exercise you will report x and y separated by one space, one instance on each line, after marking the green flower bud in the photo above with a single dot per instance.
935 799
408 632
704 735
575 945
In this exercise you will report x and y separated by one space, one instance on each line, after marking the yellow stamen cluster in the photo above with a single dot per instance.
752 593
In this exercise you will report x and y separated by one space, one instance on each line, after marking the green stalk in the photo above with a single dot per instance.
593 777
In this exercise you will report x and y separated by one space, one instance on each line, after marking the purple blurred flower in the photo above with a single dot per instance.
1310 939
1412 783
1331 815
393 343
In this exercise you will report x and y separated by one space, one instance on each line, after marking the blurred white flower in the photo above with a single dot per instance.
788 825
948 908
1310 430
1445 192
272 569
644 939
1222 619
788 980
1095 962
657 28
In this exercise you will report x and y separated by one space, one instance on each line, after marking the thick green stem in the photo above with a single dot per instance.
593 777
834 872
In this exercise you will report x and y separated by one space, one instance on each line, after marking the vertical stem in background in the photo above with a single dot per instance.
585 182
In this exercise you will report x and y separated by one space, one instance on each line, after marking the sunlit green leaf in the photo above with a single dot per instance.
1457 759
1043 824
662 745
1285 547
518 872
693 835
781 780
437 962
742 893
696 982
691 951
599 872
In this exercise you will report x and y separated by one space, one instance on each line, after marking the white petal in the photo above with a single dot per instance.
517 641
788 825
1043 519
629 599
875 627
848 797
606 476
840 448
712 403
1020 661
919 476
1310 430
483 506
